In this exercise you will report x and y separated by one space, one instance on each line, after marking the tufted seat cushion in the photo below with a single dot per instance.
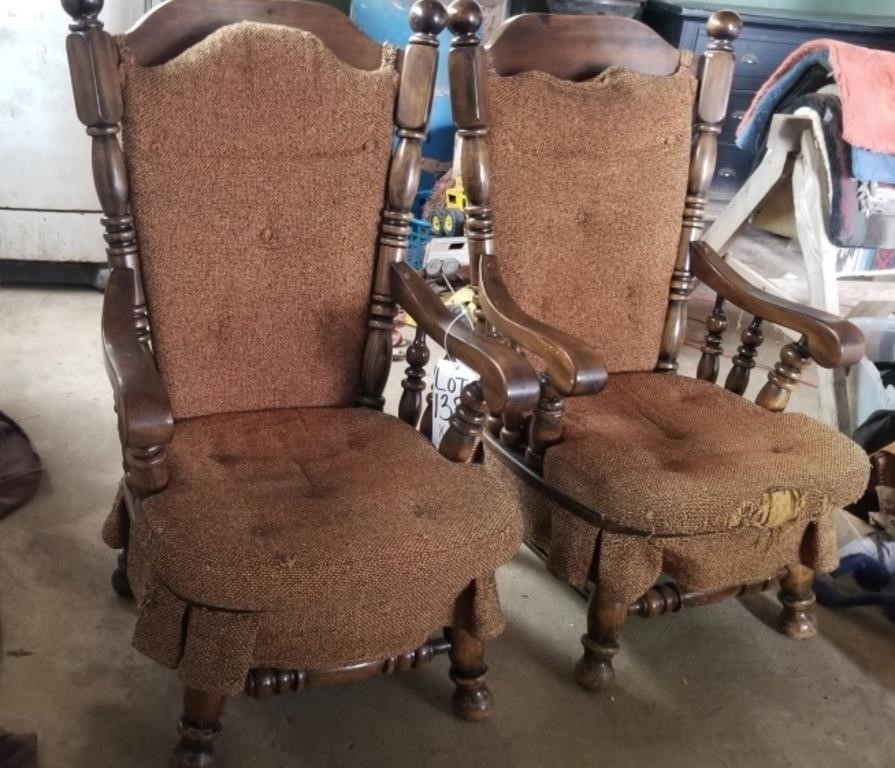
271 510
672 455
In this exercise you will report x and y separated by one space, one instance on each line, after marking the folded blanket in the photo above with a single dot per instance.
866 80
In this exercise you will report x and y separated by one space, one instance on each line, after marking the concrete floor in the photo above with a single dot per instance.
710 687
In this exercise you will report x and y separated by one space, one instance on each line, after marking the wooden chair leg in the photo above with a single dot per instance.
605 620
198 727
472 698
120 582
797 618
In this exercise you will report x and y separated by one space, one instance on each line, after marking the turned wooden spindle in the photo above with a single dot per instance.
199 728
715 325
605 621
463 437
545 427
744 360
467 65
427 20
797 618
414 382
93 61
472 699
711 108
783 380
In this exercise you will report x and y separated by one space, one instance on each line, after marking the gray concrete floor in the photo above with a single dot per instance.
710 687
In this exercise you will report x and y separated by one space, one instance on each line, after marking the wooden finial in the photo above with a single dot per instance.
464 18
84 12
725 25
428 17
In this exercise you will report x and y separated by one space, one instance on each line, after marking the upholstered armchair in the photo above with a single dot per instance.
278 531
588 148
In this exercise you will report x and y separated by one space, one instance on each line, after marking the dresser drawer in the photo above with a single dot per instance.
733 168
736 110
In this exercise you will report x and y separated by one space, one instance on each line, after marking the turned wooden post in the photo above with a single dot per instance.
744 360
783 380
93 61
545 427
472 698
716 76
467 67
797 616
427 19
463 436
414 383
198 727
715 325
605 621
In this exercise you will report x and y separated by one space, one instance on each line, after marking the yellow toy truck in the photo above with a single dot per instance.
448 221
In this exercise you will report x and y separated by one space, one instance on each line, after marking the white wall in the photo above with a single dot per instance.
48 207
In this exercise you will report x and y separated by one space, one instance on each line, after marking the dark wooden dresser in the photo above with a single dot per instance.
768 37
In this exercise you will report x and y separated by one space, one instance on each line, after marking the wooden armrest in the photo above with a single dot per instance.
574 367
509 383
144 411
832 341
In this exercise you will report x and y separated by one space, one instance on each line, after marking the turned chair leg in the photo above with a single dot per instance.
472 698
198 727
120 582
605 620
797 618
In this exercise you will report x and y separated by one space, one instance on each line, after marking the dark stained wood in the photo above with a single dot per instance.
472 698
145 423
120 581
545 428
715 325
265 682
667 598
785 377
462 440
414 383
605 621
198 728
574 367
744 360
832 342
579 47
411 119
715 77
797 618
177 25
508 381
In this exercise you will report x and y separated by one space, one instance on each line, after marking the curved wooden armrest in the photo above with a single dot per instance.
574 367
144 411
509 383
832 341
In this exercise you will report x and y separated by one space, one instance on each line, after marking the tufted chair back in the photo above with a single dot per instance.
257 160
589 180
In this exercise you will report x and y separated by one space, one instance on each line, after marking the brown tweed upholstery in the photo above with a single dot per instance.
673 455
311 538
257 243
727 491
588 186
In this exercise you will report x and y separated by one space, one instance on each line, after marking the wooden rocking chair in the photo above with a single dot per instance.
277 530
588 146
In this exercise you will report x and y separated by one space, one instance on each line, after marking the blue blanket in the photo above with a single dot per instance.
865 165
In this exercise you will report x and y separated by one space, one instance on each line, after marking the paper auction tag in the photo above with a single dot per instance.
448 382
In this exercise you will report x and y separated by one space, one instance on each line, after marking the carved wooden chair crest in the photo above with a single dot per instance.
266 523
587 158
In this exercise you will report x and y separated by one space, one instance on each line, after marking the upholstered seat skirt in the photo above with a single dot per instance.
267 512
715 490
